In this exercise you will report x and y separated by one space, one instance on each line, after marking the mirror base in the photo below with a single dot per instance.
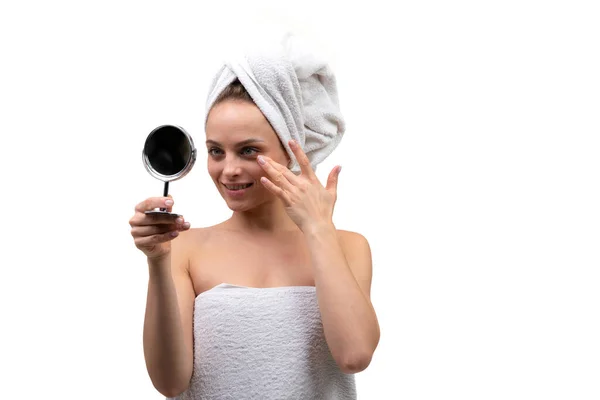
162 213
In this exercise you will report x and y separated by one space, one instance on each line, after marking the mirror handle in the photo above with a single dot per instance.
165 193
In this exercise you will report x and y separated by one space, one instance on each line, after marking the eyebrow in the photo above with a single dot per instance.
242 143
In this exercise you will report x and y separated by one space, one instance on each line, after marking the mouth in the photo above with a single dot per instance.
238 186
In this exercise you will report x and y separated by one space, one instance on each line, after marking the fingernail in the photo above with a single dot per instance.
186 225
261 160
168 202
179 220
174 233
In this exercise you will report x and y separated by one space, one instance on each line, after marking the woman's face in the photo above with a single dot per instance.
236 133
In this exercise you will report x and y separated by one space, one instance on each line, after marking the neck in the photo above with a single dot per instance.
268 218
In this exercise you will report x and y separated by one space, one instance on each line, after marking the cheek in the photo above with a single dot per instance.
280 157
249 168
213 169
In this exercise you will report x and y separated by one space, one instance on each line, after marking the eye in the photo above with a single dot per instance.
214 151
249 151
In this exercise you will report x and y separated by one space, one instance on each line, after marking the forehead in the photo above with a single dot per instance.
236 121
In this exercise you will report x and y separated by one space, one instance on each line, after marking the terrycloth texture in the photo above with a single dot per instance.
295 90
262 344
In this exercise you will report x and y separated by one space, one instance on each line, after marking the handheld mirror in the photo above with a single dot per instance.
168 155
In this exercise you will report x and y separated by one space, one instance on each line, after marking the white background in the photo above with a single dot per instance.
470 162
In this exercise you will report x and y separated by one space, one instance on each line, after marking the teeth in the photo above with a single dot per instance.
237 187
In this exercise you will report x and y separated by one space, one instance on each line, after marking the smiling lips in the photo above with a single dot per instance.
238 190
238 186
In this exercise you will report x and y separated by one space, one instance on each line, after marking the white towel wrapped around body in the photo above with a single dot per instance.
263 343
295 90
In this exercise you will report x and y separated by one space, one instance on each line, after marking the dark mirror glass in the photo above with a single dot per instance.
169 154
168 150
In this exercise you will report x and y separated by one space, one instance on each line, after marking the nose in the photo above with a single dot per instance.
231 166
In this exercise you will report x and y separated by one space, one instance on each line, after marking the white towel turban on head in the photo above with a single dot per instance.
295 90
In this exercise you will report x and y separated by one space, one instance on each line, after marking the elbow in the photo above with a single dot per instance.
355 363
171 388
173 381
171 391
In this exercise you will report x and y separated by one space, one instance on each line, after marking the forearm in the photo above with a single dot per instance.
349 320
167 358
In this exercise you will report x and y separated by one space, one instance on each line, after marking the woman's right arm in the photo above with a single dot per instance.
168 330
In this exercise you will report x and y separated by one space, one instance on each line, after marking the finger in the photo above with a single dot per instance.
149 230
141 219
289 175
155 239
154 202
303 160
169 208
274 175
276 190
332 179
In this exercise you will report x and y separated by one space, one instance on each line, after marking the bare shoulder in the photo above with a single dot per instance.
350 239
355 246
193 235
357 251
186 244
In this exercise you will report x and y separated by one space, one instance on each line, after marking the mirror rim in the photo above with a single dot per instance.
188 166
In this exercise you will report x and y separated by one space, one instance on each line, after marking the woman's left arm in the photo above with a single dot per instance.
341 262
342 266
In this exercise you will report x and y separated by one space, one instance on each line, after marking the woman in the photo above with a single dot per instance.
273 303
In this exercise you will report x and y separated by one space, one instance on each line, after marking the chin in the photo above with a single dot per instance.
238 207
244 205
